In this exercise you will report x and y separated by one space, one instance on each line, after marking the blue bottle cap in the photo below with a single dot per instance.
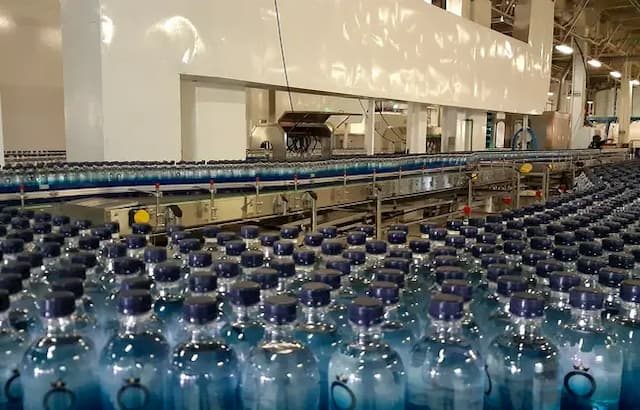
449 272
332 247
101 233
134 302
41 228
304 257
584 235
468 231
532 221
566 253
612 277
426 227
19 223
340 264
390 275
53 237
600 231
20 268
564 239
631 238
586 298
283 248
4 300
73 285
494 218
268 239
249 232
141 229
267 278
512 235
115 250
235 247
397 237
446 307
545 219
376 247
613 244
82 224
203 282
397 263
57 304
280 309
478 221
554 228
210 232
12 282
541 243
510 284
590 249
489 238
514 247
455 241
401 253
495 270
286 268
168 271
614 227
532 257
187 245
251 259
135 241
60 220
69 270
515 225
419 246
125 265
329 232
369 230
446 260
356 238
136 282
492 258
50 249
331 277
244 293
34 259
590 265
89 243
443 251
571 224
200 310
480 249
199 259
42 217
366 311
155 254
621 260
454 224
69 231
289 232
545 267
226 269
458 287
12 246
25 234
526 305
387 292
223 237
563 281
315 294
174 228
496 228
313 239
355 256
630 290
438 234
399 227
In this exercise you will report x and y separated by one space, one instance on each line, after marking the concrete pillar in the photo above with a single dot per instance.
449 125
626 98
370 128
579 137
417 128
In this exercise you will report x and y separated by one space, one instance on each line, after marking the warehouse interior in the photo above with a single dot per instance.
319 204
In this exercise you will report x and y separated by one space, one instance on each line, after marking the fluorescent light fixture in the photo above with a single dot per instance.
589 102
550 94
595 63
615 74
564 49
634 82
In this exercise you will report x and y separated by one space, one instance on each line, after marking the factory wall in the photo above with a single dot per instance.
31 86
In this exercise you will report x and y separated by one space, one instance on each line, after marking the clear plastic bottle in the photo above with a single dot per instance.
71 237
425 229
83 316
286 276
609 280
244 330
437 237
197 261
283 249
557 309
169 293
470 329
610 246
290 232
250 234
312 241
316 330
590 359
530 259
337 310
12 348
187 246
111 253
346 293
376 252
134 362
567 256
330 249
209 234
268 280
197 385
11 248
153 255
499 319
135 245
513 252
266 243
250 261
588 268
356 240
281 372
59 368
522 364
366 373
359 277
445 371
23 315
228 273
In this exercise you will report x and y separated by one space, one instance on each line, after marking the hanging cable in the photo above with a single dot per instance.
284 60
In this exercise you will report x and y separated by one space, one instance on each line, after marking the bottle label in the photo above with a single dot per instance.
59 397
133 395
342 397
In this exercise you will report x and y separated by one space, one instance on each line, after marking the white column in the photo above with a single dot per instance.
369 128
417 128
1 136
626 97
579 138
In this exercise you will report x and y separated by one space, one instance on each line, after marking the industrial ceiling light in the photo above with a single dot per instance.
635 82
595 63
550 94
564 49
615 74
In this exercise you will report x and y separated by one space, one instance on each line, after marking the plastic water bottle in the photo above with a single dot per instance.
425 229
331 249
437 237
250 261
312 241
356 240
359 277
111 253
71 237
59 368
57 221
197 261
268 280
83 317
197 384
12 348
470 329
169 295
376 252
187 246
499 320
329 231
488 300
346 292
557 310
266 245
522 364
23 313
134 362
317 331
336 311
281 372
142 229
513 252
445 371
283 249
590 359
135 245
11 248
174 237
366 373
250 234
244 330
209 234
609 281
